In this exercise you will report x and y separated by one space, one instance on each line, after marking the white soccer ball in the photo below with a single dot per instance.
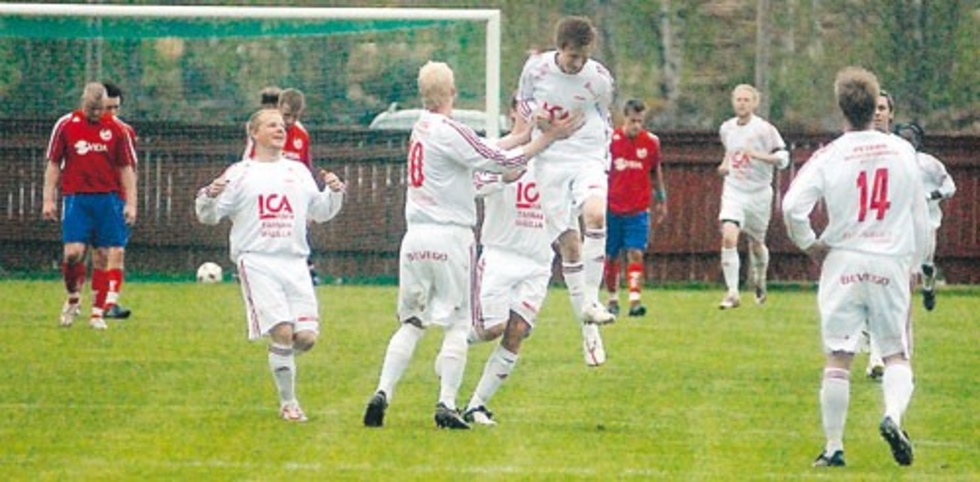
209 273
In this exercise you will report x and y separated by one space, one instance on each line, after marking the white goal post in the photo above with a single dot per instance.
491 17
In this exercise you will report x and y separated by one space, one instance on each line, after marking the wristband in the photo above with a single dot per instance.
660 195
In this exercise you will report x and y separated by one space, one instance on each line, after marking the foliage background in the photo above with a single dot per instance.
682 57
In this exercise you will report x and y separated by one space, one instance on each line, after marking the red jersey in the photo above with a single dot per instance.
90 154
634 161
297 146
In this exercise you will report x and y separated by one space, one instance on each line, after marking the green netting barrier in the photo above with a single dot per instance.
142 28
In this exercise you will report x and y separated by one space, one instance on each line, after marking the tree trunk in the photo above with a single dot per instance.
762 56
671 55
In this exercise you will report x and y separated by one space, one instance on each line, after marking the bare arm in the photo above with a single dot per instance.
127 176
52 175
660 194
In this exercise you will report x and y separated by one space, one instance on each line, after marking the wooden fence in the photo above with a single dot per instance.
362 242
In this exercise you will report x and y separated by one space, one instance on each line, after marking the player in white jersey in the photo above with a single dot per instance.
437 251
512 278
269 200
939 186
572 172
871 188
753 149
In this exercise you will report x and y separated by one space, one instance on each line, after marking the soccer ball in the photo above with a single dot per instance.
209 273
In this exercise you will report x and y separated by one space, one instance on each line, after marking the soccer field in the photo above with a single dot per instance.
688 393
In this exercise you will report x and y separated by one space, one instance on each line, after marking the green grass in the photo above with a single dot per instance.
688 393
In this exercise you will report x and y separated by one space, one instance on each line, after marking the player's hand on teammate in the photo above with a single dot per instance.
513 175
332 181
562 127
817 251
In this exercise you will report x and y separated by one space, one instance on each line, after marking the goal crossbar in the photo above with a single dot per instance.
489 16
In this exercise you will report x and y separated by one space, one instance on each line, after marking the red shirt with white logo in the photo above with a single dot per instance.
634 160
90 154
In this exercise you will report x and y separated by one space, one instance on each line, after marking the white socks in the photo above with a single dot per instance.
835 396
574 274
450 363
399 353
594 260
282 364
729 268
897 386
498 368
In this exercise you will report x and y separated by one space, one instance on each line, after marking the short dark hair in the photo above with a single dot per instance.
911 132
113 90
634 106
574 32
857 94
270 96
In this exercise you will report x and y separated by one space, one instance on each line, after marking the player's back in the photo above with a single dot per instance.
440 188
870 184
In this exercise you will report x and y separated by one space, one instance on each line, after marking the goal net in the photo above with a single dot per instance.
191 76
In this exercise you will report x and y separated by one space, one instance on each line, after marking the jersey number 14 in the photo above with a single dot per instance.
875 199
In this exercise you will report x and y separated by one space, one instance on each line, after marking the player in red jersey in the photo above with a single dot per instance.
292 103
91 156
106 284
635 167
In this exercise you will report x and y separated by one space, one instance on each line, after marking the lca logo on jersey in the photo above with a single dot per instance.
641 153
274 206
84 147
297 144
738 160
105 135
527 195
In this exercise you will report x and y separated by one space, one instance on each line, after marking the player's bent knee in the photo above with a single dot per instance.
303 341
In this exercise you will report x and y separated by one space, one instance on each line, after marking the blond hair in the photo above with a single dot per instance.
254 121
437 84
747 87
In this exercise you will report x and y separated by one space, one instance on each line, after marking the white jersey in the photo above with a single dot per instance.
442 157
745 173
514 221
269 204
544 86
873 192
935 179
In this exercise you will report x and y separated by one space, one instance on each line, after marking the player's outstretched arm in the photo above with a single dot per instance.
328 203
206 202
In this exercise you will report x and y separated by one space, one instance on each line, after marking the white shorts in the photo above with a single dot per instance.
435 275
277 289
508 281
750 210
862 291
565 187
